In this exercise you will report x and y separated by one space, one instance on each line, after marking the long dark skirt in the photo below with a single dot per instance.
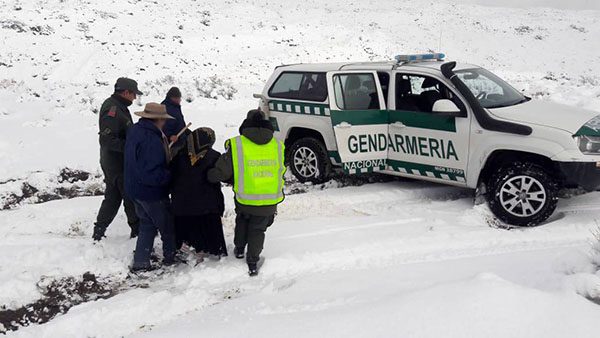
202 232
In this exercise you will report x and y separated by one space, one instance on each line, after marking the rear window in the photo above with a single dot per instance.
300 86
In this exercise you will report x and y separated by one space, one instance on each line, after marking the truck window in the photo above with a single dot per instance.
300 86
418 93
355 92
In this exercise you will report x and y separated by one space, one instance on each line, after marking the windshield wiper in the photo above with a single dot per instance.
523 100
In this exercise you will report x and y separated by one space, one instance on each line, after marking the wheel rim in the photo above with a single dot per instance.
305 162
522 196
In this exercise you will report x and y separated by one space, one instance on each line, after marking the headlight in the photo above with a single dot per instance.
588 144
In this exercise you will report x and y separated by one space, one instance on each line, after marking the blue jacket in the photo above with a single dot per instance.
147 176
172 127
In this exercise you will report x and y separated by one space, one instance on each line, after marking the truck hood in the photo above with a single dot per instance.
547 114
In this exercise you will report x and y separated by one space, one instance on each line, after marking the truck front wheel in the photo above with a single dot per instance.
522 194
309 161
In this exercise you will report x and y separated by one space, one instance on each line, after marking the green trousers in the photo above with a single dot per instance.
250 230
113 196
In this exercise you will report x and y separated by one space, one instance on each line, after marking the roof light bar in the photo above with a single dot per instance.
420 57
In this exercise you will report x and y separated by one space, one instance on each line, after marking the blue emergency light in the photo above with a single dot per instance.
420 57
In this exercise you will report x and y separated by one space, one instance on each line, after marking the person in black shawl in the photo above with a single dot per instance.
197 204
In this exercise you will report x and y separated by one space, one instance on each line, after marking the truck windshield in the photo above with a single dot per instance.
490 90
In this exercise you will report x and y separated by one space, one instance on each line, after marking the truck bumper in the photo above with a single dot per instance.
583 174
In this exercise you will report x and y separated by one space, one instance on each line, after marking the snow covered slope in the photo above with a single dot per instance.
60 58
401 258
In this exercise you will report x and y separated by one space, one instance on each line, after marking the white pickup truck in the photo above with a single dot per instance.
422 117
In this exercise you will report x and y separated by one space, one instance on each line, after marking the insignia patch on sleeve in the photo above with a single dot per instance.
113 111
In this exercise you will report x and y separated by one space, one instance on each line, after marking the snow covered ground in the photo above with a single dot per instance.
402 258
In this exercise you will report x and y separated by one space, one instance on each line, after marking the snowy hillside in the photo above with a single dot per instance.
386 259
62 58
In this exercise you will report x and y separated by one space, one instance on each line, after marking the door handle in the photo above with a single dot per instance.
398 124
344 125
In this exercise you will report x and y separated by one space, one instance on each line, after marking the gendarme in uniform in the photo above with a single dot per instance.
254 163
114 120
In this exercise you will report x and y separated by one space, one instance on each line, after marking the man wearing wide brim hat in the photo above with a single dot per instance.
147 179
155 111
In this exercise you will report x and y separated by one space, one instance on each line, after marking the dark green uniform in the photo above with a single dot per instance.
250 230
115 119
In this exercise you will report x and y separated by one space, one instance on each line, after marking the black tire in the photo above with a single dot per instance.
522 194
315 169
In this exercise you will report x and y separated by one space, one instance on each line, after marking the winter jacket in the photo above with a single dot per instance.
114 121
147 175
191 193
172 127
223 171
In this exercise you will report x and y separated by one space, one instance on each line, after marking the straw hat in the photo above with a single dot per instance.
154 111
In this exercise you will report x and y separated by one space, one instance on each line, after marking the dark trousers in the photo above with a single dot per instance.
250 230
113 196
202 232
155 216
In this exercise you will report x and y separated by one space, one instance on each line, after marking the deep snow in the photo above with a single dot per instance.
401 258
417 300
408 257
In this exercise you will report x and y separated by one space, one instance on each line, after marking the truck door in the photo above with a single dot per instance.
359 119
422 142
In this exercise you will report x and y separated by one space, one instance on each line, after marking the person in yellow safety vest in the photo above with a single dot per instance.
254 163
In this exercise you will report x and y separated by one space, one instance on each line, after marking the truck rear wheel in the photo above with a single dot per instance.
309 161
522 194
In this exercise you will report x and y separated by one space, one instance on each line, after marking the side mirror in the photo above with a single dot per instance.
446 107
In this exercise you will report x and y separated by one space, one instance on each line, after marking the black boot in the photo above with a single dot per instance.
253 269
178 258
238 252
136 270
173 261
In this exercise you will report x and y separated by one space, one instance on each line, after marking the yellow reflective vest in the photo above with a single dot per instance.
258 171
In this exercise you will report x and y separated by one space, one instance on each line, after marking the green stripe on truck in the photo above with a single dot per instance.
412 168
423 120
299 108
359 117
409 119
